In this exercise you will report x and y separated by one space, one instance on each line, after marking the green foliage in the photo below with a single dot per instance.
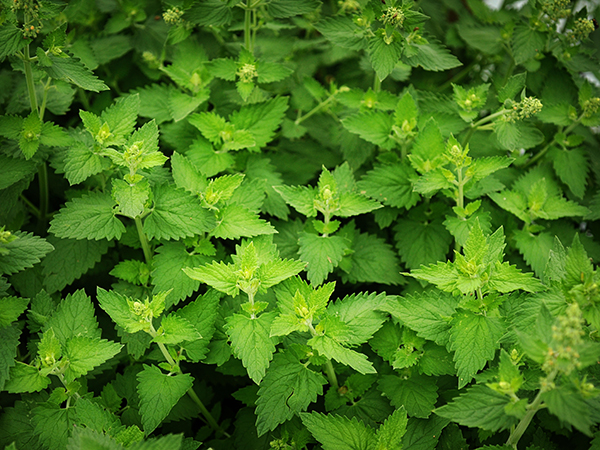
296 224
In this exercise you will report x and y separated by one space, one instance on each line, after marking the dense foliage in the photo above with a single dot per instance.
297 224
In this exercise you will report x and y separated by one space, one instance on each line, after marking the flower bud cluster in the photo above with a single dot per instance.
32 23
172 16
247 73
567 338
526 108
393 16
556 9
581 30
591 106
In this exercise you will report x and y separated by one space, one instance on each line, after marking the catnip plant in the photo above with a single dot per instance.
299 224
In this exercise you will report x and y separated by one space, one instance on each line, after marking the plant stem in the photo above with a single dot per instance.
376 84
248 28
533 407
481 122
29 79
205 412
44 195
316 109
143 241
329 370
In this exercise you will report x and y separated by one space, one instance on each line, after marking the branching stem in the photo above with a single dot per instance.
143 240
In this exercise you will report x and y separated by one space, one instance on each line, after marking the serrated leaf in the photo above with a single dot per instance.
84 354
353 204
71 69
572 168
570 407
25 378
202 313
91 216
287 389
176 214
332 349
251 342
302 198
11 39
479 407
474 339
361 312
527 43
53 424
269 72
274 272
175 329
391 431
342 31
372 126
390 185
513 86
10 309
384 52
506 278
371 260
235 221
261 119
322 253
428 313
75 316
9 335
167 271
14 169
158 393
421 243
117 308
513 202
339 433
432 56
131 198
22 252
219 275
81 163
186 175
288 8
418 394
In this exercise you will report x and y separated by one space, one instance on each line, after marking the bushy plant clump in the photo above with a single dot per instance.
299 224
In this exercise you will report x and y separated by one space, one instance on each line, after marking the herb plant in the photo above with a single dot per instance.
298 224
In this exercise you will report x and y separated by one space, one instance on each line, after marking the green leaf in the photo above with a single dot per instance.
175 329
428 148
202 313
322 253
428 313
372 126
431 56
117 308
342 32
421 243
335 432
22 252
91 216
167 271
390 185
569 406
506 278
418 393
25 378
251 342
14 169
384 52
71 69
302 198
158 393
361 312
53 424
513 202
474 339
81 163
572 168
219 275
287 389
261 119
281 9
479 407
10 309
176 214
186 175
391 431
235 221
534 248
371 260
11 40
274 272
527 43
423 434
75 316
332 349
513 86
131 198
84 354
353 204
269 72
9 337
